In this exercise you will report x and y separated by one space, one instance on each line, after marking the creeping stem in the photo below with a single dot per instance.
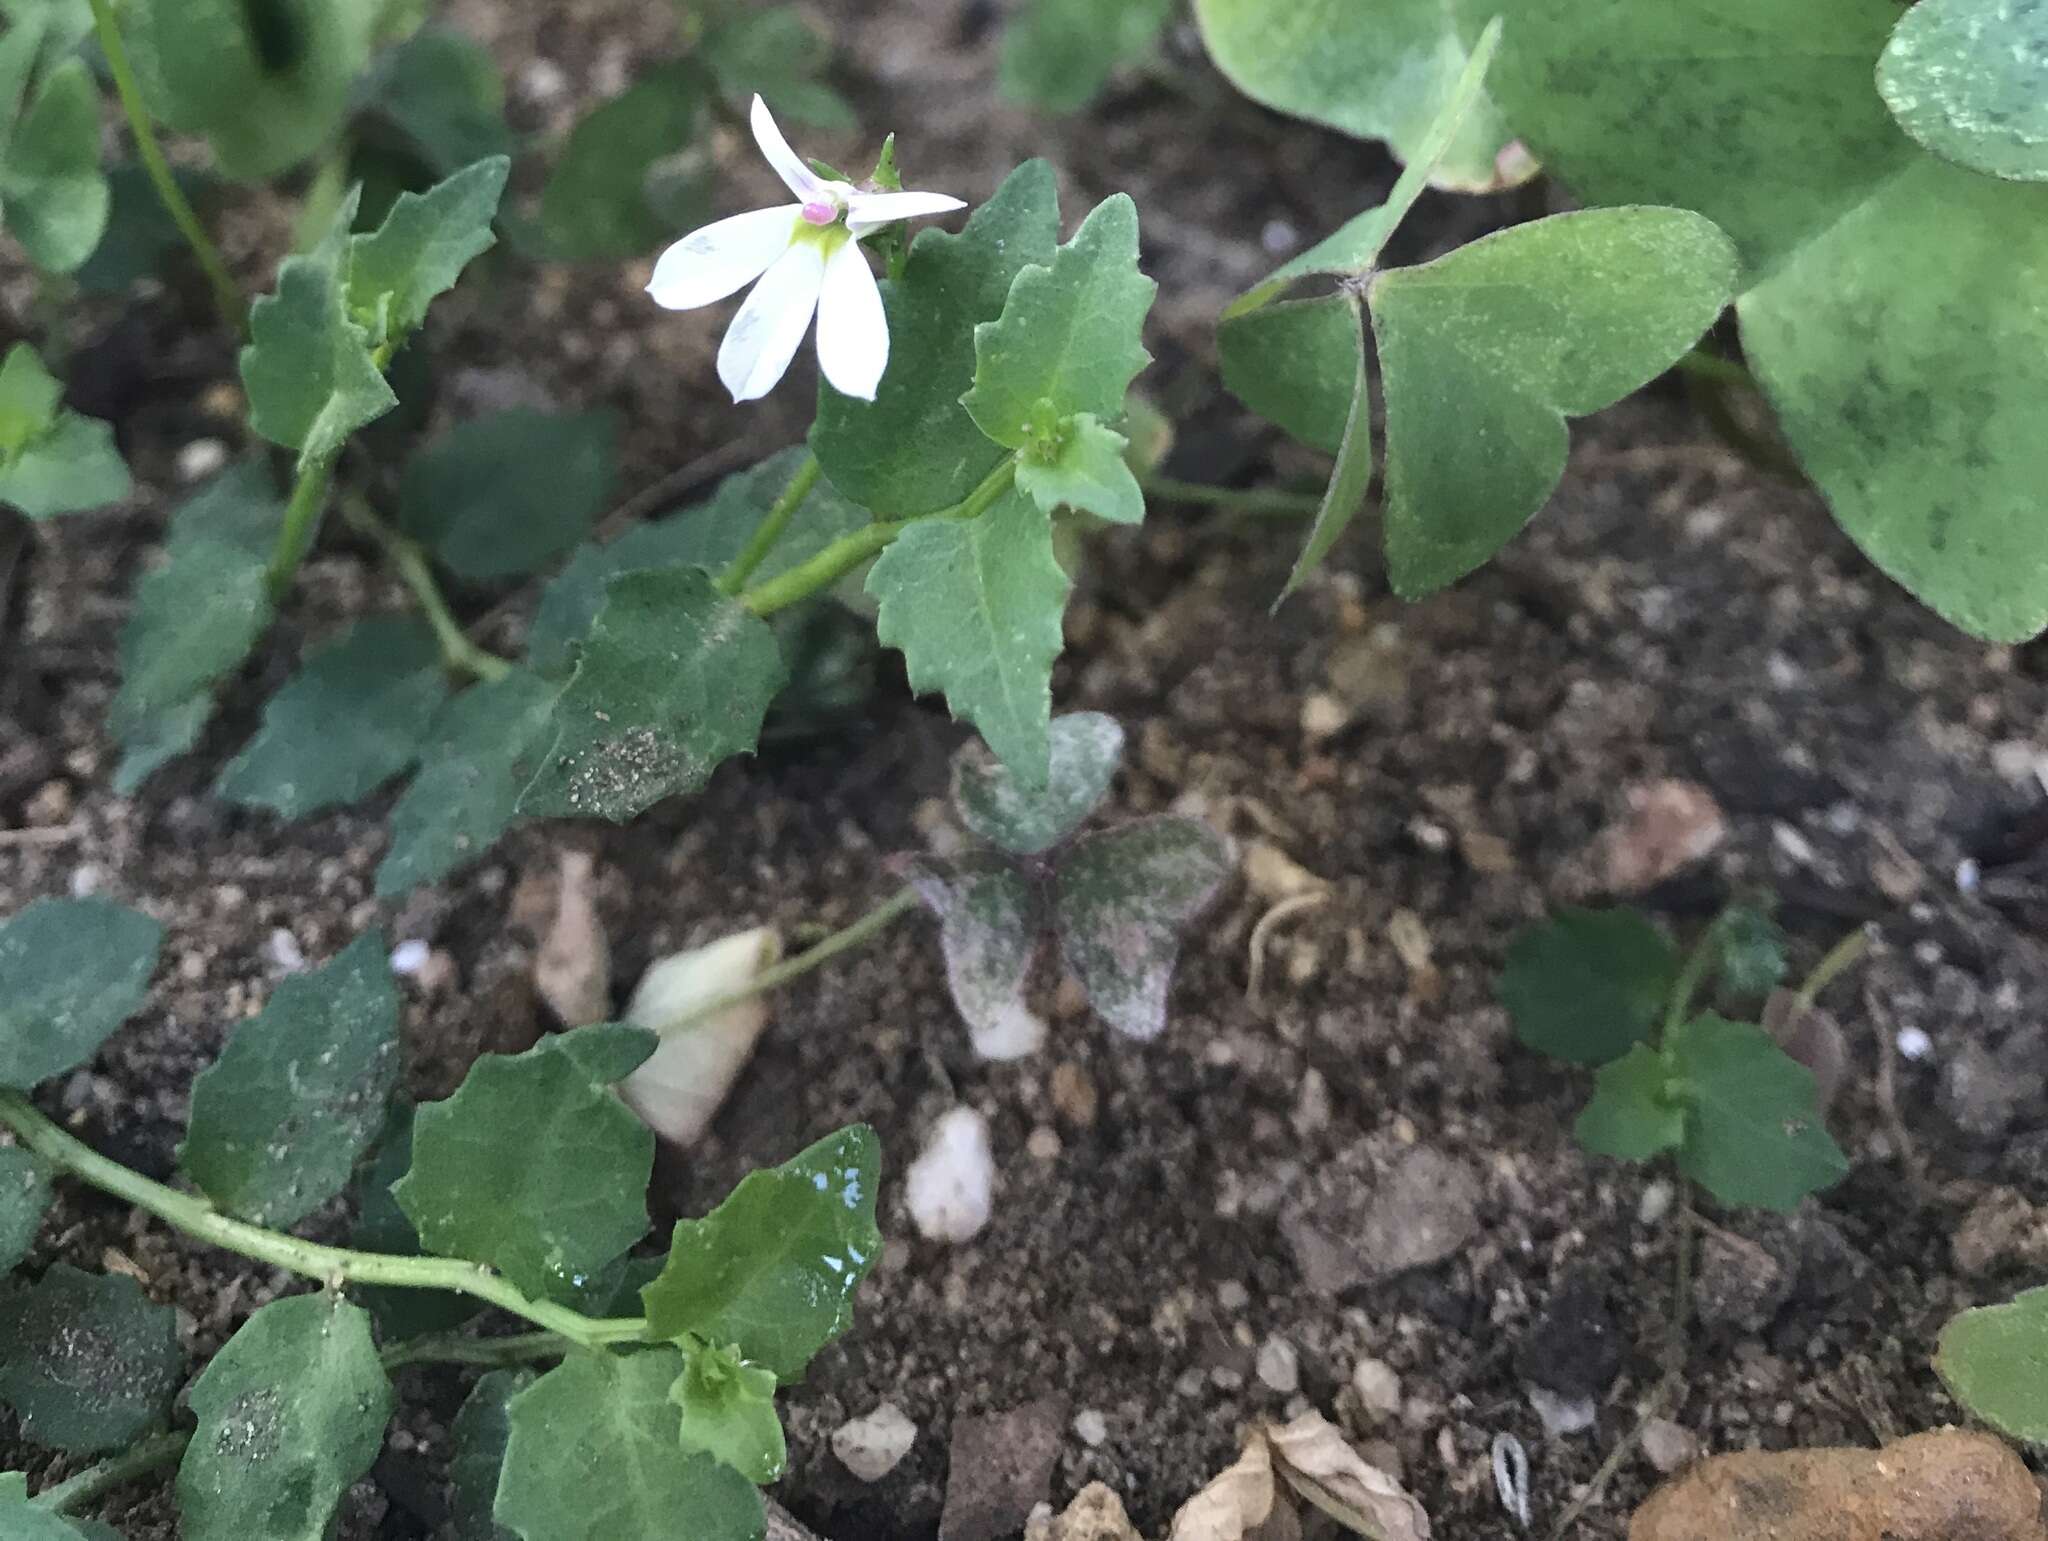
233 308
769 531
330 1265
457 651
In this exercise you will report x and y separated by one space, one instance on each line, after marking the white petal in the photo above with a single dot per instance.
853 331
770 327
868 212
707 265
789 165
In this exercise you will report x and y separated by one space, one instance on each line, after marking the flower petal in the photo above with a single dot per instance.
789 165
770 327
868 212
707 265
853 330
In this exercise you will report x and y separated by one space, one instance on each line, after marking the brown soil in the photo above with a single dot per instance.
1673 613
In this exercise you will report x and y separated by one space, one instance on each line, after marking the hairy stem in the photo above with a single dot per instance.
234 309
301 521
331 1265
1842 957
769 531
410 560
138 1460
1270 502
849 551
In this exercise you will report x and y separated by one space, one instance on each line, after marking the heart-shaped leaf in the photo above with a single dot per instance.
1057 54
1754 1132
1588 985
1086 748
1966 78
992 922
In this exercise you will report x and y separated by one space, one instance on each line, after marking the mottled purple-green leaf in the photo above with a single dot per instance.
992 921
1086 748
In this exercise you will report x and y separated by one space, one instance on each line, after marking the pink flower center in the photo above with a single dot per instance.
821 211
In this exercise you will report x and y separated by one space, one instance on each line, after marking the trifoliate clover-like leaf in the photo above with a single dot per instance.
30 398
1122 899
772 1271
1070 338
52 191
534 1166
595 1455
1083 466
300 1092
708 535
728 1409
914 449
290 1414
992 925
1085 750
71 971
309 369
1634 1114
381 1226
1990 1359
1754 1132
415 256
52 460
87 1361
1964 77
478 1436
24 1195
383 679
673 680
975 607
1587 985
479 753
506 494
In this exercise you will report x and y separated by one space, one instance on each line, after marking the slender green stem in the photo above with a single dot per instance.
332 1265
1841 957
1702 365
407 556
138 1460
849 551
1681 1292
456 1348
301 521
855 935
1697 962
234 309
769 531
1271 502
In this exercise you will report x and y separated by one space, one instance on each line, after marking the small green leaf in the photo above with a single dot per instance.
1298 364
595 1455
266 81
1351 477
1069 338
595 206
729 1413
24 1195
1965 78
533 1167
479 1436
300 1091
478 753
30 397
1059 54
149 741
1588 985
308 369
290 1414
443 92
1502 340
772 1271
1084 469
1995 1361
71 469
674 679
21 1520
1086 748
1752 951
708 535
420 250
506 494
381 1226
975 607
55 195
1380 72
914 449
86 1360
1754 1132
1633 1115
384 680
1122 899
992 923
777 51
71 971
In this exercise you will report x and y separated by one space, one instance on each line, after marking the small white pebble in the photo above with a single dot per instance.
1795 845
1968 875
951 1185
1090 1427
1562 1415
1914 1044
281 950
1667 1446
409 957
1655 1203
86 880
1232 1295
1378 1387
873 1446
1279 1366
200 459
1279 237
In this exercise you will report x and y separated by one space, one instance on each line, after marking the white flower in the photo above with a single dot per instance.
808 259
